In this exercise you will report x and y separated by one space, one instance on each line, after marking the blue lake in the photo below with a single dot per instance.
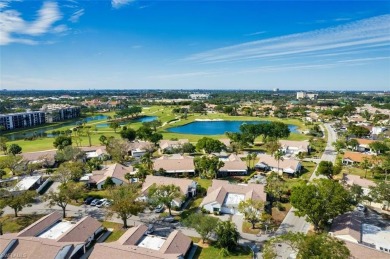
216 127
142 119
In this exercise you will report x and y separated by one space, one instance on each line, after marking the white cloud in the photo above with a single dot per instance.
15 29
366 33
60 28
119 3
255 33
76 16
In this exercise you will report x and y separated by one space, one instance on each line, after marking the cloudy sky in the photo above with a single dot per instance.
122 44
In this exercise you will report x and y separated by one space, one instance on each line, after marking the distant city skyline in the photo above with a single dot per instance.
250 45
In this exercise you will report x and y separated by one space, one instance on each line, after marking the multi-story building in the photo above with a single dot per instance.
22 119
303 95
55 112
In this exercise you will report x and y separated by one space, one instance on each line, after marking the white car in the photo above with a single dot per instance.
361 207
101 203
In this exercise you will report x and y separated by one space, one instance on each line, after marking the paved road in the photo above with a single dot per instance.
299 224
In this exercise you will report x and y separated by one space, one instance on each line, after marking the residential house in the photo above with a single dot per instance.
169 145
140 148
99 153
117 173
224 197
46 158
175 164
349 180
27 183
233 165
356 229
187 187
268 162
364 145
136 243
290 147
52 237
350 158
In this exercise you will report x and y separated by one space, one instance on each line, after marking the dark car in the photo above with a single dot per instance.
88 200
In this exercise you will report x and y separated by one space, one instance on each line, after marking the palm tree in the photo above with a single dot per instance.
254 156
278 155
147 161
227 235
365 164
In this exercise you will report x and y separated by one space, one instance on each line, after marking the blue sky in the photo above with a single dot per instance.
121 44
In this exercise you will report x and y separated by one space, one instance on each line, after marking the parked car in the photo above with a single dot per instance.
94 202
159 208
107 203
150 229
101 203
169 219
361 207
88 200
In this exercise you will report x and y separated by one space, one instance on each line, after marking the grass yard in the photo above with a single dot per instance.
308 169
247 228
278 216
13 225
215 253
117 232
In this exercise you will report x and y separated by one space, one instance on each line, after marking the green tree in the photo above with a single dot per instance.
125 202
164 194
114 126
118 149
74 191
103 140
2 206
228 235
203 224
144 132
208 166
320 201
356 192
69 171
188 148
108 183
93 164
62 141
14 149
308 246
154 124
353 143
69 153
325 168
3 144
381 193
18 200
155 138
278 155
60 198
338 145
210 145
128 134
251 209
275 186
365 165
147 161
272 146
379 147
11 162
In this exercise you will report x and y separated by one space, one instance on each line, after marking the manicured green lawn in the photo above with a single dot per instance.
117 232
213 252
13 225
308 169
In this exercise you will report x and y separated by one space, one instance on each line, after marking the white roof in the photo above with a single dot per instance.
26 183
152 242
57 230
233 199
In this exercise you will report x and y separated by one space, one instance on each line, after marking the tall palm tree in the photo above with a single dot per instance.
147 161
278 155
365 165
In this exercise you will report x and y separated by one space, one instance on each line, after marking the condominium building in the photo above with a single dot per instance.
22 119
304 95
60 112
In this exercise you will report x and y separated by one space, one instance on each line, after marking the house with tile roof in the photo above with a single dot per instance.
290 147
224 197
136 243
187 187
267 162
364 144
52 237
168 145
350 158
117 173
233 165
175 164
350 179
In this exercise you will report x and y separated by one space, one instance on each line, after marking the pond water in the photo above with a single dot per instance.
216 127
142 119
41 131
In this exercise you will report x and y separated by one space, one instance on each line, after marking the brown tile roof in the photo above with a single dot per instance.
363 252
133 235
355 179
302 145
164 144
220 188
81 231
176 243
36 156
225 141
35 247
41 225
175 164
347 224
356 156
234 163
272 162
182 183
115 171
93 148
363 141
115 250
